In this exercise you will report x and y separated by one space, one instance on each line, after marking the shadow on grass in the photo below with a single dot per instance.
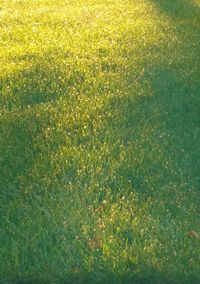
26 102
45 81
152 276
153 130
179 9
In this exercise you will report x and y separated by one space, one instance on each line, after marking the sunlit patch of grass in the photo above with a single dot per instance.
99 141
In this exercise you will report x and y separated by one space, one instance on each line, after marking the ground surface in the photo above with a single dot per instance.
99 141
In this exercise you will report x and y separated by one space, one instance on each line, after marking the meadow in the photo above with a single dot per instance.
100 141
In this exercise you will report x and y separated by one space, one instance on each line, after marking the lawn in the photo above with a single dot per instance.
100 141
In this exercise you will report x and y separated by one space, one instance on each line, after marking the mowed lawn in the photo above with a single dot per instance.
100 141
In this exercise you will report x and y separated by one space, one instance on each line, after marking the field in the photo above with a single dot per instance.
100 141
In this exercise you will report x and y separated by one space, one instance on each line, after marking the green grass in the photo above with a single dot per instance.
99 141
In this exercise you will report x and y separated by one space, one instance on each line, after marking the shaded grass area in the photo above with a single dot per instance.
99 142
178 9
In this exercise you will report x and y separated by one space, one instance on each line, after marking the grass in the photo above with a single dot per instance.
99 141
